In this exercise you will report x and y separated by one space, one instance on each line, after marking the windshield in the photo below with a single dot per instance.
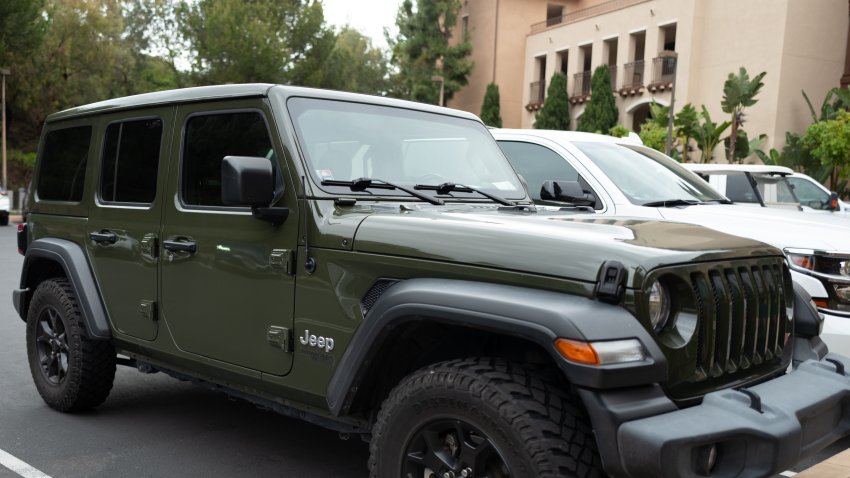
345 141
646 176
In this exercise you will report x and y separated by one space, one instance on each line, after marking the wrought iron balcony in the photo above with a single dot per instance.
663 70
581 84
633 74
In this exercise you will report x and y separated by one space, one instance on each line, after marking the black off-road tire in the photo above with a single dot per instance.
536 428
56 340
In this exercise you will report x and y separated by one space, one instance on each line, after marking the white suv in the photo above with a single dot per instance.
618 176
5 205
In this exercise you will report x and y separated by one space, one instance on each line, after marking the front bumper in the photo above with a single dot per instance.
836 333
801 413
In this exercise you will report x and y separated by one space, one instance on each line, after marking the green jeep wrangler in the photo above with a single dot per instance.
376 267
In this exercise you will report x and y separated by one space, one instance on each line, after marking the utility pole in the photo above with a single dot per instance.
442 86
4 72
675 58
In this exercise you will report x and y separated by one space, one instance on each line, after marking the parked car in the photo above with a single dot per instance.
769 186
751 184
376 266
616 176
5 207
815 195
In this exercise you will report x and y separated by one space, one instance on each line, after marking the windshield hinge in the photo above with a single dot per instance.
283 259
611 282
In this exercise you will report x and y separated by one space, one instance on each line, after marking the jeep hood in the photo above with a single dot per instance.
561 244
780 228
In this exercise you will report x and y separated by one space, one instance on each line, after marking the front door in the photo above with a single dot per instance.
226 291
124 221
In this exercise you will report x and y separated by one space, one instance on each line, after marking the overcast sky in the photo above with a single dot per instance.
368 16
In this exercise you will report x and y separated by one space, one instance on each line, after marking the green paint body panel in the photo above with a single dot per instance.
213 308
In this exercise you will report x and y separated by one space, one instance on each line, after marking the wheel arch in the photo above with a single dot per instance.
49 257
452 319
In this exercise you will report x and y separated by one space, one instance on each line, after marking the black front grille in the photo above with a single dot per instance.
741 317
740 328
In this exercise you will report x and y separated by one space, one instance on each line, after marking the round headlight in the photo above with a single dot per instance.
659 305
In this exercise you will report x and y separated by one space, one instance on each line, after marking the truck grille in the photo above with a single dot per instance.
741 325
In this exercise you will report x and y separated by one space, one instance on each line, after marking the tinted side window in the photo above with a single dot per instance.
62 170
739 189
130 161
809 194
208 139
536 164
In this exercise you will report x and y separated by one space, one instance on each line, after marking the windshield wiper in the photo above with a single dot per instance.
363 184
721 201
446 188
672 203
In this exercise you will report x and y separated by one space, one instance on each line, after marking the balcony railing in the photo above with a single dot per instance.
633 74
604 7
536 95
581 84
663 69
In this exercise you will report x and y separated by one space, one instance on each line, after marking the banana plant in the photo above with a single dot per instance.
707 135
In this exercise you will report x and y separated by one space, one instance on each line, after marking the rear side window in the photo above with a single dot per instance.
131 161
208 139
62 169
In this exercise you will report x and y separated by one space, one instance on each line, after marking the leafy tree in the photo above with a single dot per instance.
653 135
83 57
422 50
21 27
739 92
707 136
233 41
555 113
618 131
601 113
355 65
490 114
686 123
829 141
153 34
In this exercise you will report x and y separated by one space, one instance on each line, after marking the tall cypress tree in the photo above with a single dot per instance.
422 50
600 114
555 113
490 110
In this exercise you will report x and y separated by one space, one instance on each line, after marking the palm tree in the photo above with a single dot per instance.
739 92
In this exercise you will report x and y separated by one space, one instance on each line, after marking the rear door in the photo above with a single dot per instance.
227 293
125 219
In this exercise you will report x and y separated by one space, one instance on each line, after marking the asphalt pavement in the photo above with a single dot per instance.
151 425
156 426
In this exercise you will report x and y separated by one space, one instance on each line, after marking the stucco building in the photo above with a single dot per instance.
520 44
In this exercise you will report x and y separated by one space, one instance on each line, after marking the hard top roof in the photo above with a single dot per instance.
247 90
738 169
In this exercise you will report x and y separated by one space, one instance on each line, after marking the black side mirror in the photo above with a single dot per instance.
832 205
249 181
566 191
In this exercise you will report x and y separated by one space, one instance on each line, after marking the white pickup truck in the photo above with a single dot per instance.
620 176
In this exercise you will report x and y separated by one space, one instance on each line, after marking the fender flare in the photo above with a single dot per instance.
71 257
538 316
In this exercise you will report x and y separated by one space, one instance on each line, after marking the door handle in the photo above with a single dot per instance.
104 237
180 246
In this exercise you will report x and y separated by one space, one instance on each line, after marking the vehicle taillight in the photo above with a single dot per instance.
22 238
